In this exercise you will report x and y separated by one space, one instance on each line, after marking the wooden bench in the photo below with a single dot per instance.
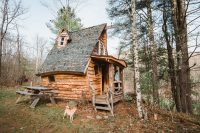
27 93
36 97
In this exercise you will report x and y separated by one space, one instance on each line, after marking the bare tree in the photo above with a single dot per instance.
40 47
10 10
19 51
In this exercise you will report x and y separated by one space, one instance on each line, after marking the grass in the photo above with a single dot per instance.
20 118
6 94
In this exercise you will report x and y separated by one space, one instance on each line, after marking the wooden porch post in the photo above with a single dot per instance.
122 79
111 76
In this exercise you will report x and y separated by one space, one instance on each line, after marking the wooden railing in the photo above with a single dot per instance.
116 92
110 97
93 92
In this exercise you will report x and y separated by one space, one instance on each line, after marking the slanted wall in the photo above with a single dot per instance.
95 79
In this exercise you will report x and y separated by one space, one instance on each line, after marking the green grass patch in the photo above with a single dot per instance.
7 94
21 118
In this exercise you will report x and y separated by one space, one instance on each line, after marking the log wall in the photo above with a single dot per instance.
95 79
69 86
103 38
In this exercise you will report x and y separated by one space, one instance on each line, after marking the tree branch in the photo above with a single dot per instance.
194 48
193 20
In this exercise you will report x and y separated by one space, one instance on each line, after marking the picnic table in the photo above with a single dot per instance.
36 93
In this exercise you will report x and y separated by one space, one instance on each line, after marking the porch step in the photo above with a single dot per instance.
103 100
117 100
103 108
100 101
101 97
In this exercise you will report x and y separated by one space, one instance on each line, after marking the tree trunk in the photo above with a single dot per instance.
171 64
153 49
135 60
8 14
2 32
1 45
18 52
183 70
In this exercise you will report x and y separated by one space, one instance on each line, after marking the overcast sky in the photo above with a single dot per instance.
91 12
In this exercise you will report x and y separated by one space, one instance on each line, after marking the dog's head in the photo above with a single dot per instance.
67 107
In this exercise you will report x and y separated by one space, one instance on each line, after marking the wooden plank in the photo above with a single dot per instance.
103 108
35 102
52 100
25 93
18 99
37 88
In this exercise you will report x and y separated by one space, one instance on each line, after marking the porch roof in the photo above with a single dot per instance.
110 59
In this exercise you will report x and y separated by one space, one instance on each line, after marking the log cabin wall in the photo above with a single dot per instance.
44 81
69 86
96 79
103 38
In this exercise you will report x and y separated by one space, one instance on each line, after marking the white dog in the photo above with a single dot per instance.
70 111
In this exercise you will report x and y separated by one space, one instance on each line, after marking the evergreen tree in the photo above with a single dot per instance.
66 19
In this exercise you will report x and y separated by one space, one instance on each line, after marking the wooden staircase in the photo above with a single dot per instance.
102 102
105 102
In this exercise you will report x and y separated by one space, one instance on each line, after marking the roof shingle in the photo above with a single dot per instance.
75 56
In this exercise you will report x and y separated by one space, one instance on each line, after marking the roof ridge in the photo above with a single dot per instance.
88 28
74 57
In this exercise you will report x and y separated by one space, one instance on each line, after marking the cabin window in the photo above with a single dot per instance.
117 74
62 41
96 69
51 78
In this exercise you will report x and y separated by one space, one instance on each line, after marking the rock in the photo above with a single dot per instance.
90 117
105 117
98 117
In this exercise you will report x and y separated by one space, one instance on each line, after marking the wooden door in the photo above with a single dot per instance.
105 77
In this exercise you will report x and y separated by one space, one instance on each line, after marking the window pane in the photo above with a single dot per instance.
51 78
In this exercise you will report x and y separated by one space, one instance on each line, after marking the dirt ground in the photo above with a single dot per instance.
47 118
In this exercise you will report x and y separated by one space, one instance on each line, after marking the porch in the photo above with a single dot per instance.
111 92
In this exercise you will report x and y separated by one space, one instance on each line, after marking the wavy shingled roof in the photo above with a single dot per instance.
75 56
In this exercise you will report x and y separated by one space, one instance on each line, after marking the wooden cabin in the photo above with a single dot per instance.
78 67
